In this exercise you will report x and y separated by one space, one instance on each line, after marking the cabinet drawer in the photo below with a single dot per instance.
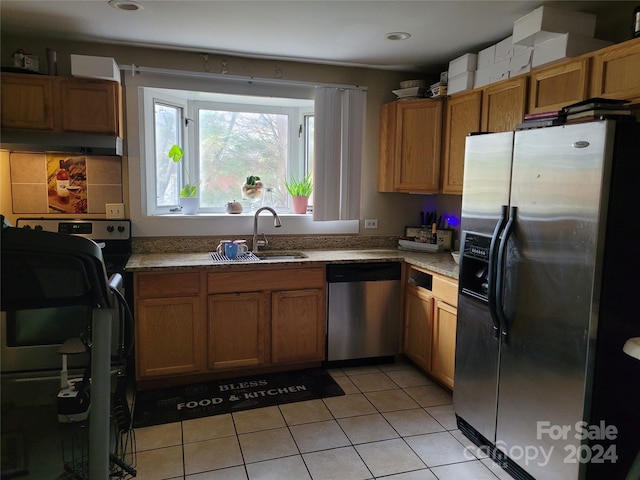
165 284
277 279
446 290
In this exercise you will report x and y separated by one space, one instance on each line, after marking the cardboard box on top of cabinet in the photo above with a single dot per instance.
545 23
87 66
563 46
461 82
465 63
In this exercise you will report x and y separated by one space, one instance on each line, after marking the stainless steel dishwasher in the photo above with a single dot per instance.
363 310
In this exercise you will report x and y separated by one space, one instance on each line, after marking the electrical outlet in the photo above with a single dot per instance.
371 223
114 210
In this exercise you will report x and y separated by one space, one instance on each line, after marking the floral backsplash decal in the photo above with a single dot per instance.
59 183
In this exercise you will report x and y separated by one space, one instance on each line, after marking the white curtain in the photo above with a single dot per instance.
339 126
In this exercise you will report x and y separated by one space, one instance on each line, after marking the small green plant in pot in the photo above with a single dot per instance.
189 190
300 190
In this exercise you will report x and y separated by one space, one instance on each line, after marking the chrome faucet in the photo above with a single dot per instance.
276 223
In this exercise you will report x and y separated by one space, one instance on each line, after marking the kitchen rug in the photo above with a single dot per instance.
175 404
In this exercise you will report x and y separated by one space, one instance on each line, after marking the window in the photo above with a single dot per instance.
226 138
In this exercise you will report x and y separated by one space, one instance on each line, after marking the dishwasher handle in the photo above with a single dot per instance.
363 272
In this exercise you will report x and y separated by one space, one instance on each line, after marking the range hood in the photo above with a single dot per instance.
44 142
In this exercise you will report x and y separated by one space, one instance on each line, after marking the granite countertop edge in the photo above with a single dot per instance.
441 263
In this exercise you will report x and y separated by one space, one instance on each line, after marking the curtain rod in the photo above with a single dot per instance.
136 69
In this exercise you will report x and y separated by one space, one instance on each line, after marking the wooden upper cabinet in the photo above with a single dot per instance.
410 142
503 104
417 167
387 145
89 106
27 102
616 72
463 114
557 86
61 104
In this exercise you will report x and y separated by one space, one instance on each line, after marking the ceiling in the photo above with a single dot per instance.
350 33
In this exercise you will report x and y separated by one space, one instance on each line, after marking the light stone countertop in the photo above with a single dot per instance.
441 263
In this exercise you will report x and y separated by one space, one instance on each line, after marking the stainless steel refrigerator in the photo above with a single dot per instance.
549 293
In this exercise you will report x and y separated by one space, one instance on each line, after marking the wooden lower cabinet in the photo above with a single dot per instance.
169 335
204 322
430 320
236 330
418 324
297 326
444 342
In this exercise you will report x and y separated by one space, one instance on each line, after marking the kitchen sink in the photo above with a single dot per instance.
280 255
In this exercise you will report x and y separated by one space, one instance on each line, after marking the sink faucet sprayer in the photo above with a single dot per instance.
276 223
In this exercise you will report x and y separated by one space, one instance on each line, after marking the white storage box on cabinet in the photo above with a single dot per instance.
465 63
520 62
461 82
86 66
504 49
494 73
563 46
545 22
486 57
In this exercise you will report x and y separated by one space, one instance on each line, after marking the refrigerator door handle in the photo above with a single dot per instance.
492 280
508 231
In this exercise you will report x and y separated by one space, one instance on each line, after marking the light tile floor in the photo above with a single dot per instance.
392 423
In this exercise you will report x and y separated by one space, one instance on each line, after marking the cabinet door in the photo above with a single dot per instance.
27 102
90 106
444 342
237 330
503 105
555 87
615 72
417 149
462 117
387 147
418 326
297 326
169 337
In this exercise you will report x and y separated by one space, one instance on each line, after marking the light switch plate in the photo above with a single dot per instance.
114 210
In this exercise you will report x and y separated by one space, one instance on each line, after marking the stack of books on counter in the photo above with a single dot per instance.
596 109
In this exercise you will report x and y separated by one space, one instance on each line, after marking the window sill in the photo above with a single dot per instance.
236 224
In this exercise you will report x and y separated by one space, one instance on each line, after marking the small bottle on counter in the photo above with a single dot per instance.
434 234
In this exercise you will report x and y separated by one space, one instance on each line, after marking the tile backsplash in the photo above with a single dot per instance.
61 183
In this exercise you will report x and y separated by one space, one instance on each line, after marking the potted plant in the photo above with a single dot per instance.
252 189
189 192
300 190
